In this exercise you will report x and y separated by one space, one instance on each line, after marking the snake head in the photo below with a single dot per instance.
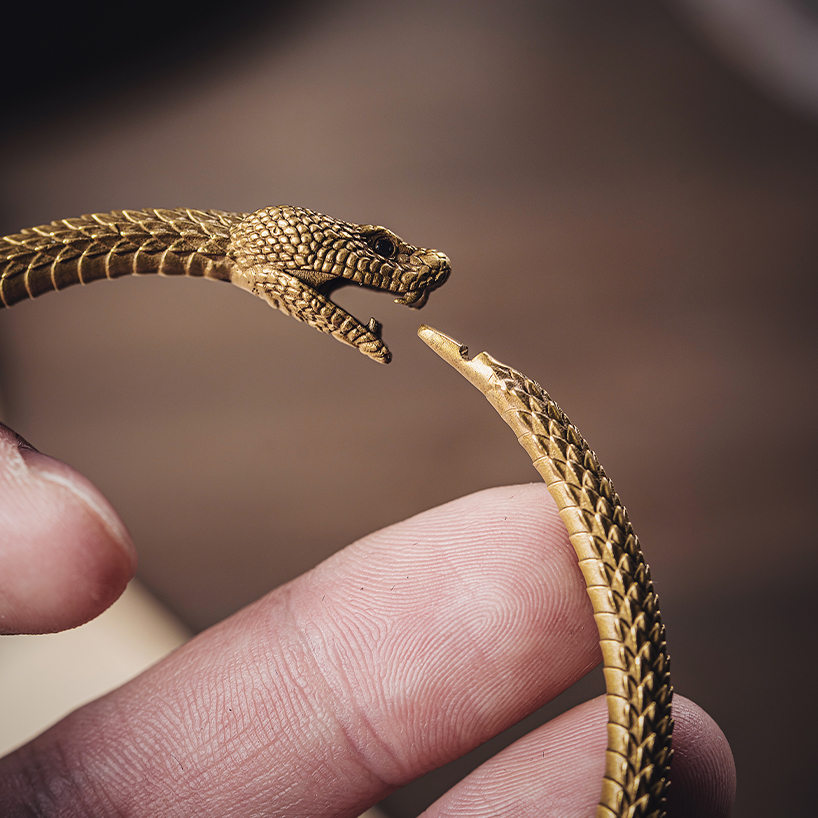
385 261
296 258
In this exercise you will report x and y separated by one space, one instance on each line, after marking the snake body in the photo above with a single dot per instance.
291 257
294 258
626 609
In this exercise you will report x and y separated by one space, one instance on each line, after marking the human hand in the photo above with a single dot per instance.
400 653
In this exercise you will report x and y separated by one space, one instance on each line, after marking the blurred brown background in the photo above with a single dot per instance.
631 220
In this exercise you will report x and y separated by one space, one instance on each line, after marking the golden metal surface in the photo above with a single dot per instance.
294 258
626 609
291 257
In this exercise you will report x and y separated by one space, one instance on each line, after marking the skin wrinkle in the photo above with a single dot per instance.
371 743
349 766
240 701
285 697
433 679
258 727
349 604
148 754
311 636
124 765
514 781
52 785
411 651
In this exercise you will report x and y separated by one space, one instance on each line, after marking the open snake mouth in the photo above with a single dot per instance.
415 299
409 276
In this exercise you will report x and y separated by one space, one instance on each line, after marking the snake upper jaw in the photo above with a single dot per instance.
415 299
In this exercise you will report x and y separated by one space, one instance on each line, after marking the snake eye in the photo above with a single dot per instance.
384 246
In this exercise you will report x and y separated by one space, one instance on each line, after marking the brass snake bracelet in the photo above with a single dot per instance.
294 259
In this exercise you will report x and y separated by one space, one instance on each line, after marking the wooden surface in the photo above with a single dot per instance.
629 222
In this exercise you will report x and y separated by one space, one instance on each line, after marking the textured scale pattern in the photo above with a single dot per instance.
296 239
109 245
626 608
291 257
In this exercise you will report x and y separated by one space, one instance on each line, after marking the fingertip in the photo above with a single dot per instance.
557 770
65 554
703 772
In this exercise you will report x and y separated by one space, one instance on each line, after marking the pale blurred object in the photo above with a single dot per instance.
774 41
45 677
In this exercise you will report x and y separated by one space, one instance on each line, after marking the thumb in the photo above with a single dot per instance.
65 555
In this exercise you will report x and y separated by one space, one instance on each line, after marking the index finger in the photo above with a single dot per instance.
400 653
